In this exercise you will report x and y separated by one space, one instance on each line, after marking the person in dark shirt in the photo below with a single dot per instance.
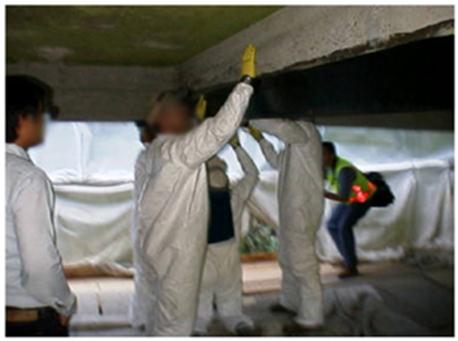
221 284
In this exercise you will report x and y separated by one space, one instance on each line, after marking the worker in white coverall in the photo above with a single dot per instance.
222 277
300 199
173 205
138 304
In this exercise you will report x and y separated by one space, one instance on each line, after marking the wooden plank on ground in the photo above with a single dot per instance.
261 277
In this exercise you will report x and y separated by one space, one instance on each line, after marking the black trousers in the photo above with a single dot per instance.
48 324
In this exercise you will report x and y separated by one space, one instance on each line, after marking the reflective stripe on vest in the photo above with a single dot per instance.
361 189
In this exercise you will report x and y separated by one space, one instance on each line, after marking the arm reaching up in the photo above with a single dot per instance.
267 149
290 132
249 61
201 108
271 155
246 185
286 130
197 146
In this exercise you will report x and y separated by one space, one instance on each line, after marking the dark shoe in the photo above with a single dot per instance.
296 329
245 329
278 308
348 272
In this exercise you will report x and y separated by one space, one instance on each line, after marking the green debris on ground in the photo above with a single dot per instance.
261 238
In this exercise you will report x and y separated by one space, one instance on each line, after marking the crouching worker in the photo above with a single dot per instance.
173 206
222 277
353 191
38 299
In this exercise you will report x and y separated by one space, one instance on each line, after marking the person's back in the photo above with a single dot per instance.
19 173
302 175
307 189
300 200
299 166
168 179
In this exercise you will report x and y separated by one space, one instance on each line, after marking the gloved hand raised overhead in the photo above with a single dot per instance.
256 133
201 108
249 61
234 141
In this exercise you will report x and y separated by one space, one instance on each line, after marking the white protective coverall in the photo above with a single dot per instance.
301 204
222 276
173 216
138 306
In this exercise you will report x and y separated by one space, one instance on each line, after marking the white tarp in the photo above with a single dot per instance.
91 166
418 165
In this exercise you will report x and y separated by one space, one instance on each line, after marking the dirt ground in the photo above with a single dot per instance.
389 298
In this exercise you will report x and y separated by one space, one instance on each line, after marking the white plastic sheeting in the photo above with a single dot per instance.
89 153
418 165
91 166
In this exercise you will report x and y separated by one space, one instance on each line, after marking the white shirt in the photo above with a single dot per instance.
34 274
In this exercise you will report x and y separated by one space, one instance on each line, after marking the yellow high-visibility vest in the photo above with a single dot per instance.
361 190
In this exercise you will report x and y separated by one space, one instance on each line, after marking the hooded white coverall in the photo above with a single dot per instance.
222 276
173 216
301 204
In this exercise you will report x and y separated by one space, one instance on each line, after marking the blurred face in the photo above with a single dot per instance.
328 158
174 119
31 129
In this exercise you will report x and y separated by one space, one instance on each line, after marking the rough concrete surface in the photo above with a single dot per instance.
291 37
152 36
298 34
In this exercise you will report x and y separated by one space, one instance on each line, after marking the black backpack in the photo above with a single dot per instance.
383 195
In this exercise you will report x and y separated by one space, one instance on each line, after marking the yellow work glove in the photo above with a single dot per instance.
234 141
201 108
249 61
256 133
